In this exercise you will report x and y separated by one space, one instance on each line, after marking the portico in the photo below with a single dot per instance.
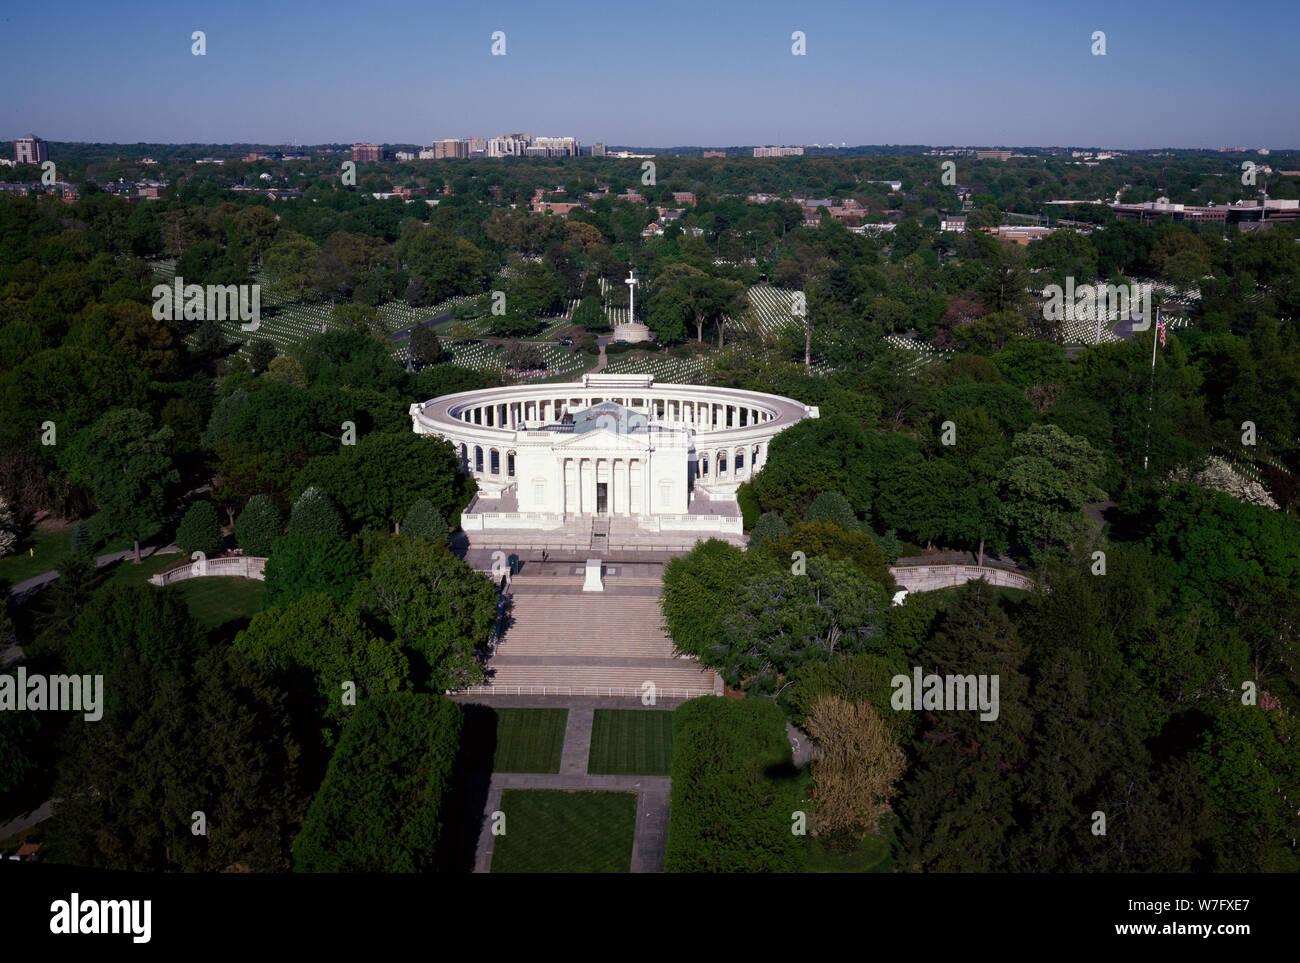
668 457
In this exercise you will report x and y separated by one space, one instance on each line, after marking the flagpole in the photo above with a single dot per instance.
1155 337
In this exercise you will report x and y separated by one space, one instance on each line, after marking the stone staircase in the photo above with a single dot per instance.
568 642
599 536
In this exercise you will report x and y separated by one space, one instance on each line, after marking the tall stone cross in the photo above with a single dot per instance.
631 283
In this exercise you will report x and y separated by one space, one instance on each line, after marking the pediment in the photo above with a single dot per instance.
605 439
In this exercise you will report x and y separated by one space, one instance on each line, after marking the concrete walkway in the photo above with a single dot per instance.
27 820
38 582
649 838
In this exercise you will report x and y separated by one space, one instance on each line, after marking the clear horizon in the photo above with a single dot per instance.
398 72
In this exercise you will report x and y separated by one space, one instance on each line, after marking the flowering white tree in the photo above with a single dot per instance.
8 529
1217 474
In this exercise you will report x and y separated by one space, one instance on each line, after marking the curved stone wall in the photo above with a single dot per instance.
727 430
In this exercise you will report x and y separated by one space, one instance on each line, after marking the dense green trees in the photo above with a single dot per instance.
438 609
124 461
200 530
732 791
375 480
154 624
258 526
423 521
314 514
957 803
379 809
214 743
315 638
306 562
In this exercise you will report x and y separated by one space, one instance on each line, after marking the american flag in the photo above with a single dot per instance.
1160 330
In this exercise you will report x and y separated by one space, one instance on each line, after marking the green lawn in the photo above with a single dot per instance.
513 740
549 831
871 855
43 549
216 600
1004 595
126 572
213 600
631 742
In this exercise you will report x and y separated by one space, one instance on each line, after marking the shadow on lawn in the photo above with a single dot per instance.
465 805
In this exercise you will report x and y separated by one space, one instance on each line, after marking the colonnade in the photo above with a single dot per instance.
682 412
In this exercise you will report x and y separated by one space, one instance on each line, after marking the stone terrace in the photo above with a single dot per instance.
564 641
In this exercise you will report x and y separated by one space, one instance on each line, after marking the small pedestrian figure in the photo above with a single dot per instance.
543 555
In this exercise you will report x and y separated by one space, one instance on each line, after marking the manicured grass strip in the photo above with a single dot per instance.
870 855
216 600
513 740
631 742
550 831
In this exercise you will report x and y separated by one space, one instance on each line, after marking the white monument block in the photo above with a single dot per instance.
593 582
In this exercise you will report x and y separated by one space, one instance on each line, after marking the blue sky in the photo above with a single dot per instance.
709 72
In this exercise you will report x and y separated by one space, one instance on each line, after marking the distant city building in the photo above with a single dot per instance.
553 147
508 145
30 150
598 149
894 186
1022 235
450 148
715 153
994 155
1242 212
684 197
778 151
849 210
367 153
955 223
405 155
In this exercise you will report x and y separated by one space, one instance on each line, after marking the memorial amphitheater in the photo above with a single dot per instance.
614 462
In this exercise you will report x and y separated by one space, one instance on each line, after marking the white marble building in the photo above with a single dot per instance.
664 458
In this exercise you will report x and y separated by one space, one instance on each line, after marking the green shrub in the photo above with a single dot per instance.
833 507
380 807
749 509
423 521
304 563
200 530
314 514
257 526
734 787
769 527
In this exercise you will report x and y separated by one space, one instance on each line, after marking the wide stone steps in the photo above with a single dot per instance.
587 643
684 675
